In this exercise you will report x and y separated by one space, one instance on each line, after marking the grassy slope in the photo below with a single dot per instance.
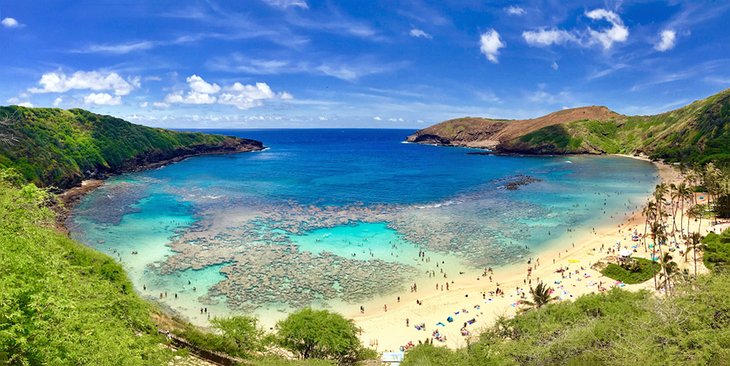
51 146
698 133
61 302
616 328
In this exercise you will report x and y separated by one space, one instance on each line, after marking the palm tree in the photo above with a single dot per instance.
684 193
694 243
541 295
695 212
648 213
659 237
659 193
669 272
674 196
711 178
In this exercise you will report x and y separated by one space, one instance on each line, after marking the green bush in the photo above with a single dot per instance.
717 250
237 336
640 271
321 334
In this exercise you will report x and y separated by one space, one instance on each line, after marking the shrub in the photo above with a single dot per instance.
320 334
637 271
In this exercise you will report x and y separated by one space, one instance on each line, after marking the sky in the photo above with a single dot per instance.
365 63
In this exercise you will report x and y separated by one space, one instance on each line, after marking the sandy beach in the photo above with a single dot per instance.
471 299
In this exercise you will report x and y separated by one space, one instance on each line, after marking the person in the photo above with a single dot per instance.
408 322
362 309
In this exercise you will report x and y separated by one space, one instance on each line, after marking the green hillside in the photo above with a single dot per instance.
61 302
55 147
696 133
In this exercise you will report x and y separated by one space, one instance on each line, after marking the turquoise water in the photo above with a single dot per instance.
331 217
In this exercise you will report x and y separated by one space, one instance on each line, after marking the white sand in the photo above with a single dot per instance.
388 331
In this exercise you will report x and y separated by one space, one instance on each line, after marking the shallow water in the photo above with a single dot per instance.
334 217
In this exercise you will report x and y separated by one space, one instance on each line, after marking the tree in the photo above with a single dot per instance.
685 193
240 335
711 179
541 296
649 213
694 243
320 334
669 273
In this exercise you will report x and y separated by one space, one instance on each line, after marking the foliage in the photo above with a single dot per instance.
238 336
61 302
614 328
541 296
553 138
717 250
278 361
50 146
320 334
694 134
641 271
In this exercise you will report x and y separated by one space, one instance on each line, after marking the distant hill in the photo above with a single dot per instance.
698 132
55 147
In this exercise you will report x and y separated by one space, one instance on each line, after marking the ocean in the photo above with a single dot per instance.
334 218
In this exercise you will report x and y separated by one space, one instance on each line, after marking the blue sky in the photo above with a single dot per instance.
310 63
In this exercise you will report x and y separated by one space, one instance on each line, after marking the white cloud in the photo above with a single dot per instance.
238 95
419 33
515 10
283 4
554 66
377 118
617 33
197 84
543 97
102 99
59 82
547 37
120 48
161 105
10 23
490 43
345 69
191 97
667 41
57 102
20 100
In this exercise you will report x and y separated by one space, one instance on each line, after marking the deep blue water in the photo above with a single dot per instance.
358 199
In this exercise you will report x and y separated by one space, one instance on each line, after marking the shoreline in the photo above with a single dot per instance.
387 331
70 197
436 304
